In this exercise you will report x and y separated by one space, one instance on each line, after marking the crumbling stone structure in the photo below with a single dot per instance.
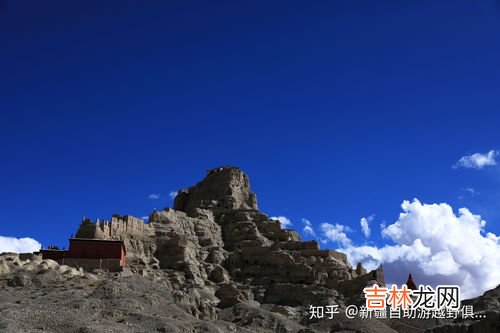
217 224
119 227
223 189
216 234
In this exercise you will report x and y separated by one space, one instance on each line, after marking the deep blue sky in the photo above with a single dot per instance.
336 109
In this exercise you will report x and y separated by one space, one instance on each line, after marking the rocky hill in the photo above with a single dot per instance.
213 263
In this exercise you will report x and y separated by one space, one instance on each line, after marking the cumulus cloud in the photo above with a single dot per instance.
477 160
285 222
365 225
154 196
437 246
19 245
173 194
336 233
308 230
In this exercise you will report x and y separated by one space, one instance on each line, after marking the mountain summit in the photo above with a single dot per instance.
223 189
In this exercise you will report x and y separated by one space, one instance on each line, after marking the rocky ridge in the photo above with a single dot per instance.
212 263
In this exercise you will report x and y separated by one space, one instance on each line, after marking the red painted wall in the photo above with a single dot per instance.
96 250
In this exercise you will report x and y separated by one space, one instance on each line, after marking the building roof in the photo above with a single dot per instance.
96 240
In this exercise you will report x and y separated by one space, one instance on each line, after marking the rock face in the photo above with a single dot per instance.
213 263
215 239
223 189
215 233
190 245
487 305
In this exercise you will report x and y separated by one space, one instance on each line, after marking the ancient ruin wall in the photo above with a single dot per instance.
120 227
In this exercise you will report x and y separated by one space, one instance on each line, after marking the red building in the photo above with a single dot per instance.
83 248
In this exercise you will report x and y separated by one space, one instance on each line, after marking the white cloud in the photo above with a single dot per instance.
19 245
154 196
493 237
336 233
477 160
437 246
145 218
308 230
173 194
285 222
469 192
365 225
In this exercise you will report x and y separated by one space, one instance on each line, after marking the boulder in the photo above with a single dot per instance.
219 274
229 294
19 280
4 267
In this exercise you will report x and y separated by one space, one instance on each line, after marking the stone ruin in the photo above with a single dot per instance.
215 236
119 227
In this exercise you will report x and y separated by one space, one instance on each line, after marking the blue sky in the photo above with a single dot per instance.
337 110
